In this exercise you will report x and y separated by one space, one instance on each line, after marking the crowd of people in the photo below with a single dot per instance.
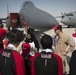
27 60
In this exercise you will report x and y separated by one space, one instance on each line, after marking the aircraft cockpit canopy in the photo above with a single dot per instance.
70 14
27 4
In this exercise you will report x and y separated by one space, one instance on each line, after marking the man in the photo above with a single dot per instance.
46 62
11 62
64 44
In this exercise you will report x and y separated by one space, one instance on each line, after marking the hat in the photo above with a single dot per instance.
2 32
56 27
25 48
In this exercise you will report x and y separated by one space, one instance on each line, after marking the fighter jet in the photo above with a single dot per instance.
35 17
69 19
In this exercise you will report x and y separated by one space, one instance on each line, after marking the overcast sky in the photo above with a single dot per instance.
54 7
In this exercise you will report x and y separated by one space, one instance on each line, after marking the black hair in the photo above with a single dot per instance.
27 40
15 36
46 42
1 26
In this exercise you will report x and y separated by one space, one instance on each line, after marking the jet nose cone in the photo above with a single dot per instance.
65 21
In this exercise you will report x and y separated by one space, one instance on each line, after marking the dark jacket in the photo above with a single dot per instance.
11 63
46 66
